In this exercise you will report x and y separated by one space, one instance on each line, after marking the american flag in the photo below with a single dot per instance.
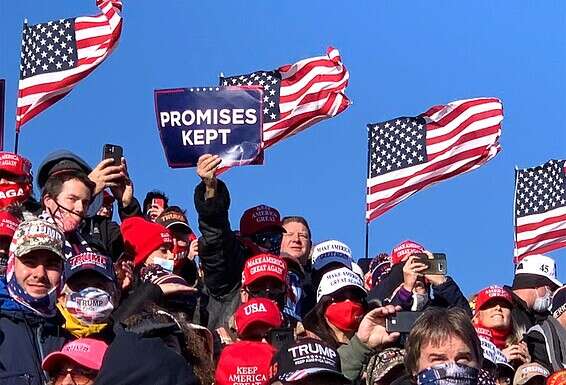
540 209
408 154
298 95
58 54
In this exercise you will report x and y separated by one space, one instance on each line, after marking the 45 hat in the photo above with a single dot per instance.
535 271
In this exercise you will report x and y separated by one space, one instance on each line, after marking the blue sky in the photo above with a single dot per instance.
403 57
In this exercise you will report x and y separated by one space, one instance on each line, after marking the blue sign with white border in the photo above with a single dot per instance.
224 121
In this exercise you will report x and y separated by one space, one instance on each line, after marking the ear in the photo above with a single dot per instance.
46 200
244 296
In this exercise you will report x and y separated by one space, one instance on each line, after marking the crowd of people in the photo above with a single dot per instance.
153 300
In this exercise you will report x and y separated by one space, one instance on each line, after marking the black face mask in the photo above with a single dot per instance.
269 240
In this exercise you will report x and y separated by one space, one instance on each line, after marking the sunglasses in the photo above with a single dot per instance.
270 293
270 238
79 377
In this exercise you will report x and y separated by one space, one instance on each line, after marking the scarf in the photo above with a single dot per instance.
44 306
498 336
76 327
74 242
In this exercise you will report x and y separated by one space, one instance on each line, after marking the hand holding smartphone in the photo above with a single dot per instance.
113 151
436 263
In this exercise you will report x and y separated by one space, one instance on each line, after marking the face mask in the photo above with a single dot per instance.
166 264
419 301
90 305
11 193
449 374
345 315
542 304
66 219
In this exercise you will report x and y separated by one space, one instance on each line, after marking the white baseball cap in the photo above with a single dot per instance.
538 265
337 279
332 251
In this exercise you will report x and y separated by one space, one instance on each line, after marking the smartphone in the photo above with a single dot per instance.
113 151
436 263
278 337
402 322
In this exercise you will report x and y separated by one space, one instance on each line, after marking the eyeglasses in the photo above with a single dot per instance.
271 238
79 376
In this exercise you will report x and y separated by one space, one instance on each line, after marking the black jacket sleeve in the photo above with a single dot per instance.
449 295
221 253
131 210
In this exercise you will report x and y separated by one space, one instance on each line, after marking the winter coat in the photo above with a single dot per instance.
221 253
135 360
547 344
104 234
354 357
25 340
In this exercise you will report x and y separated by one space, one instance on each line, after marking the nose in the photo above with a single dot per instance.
68 380
39 271
80 207
169 255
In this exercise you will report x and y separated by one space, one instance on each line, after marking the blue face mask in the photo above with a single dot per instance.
449 374
166 264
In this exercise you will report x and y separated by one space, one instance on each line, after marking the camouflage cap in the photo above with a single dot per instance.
37 234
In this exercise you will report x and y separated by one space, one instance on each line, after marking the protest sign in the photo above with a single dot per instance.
224 121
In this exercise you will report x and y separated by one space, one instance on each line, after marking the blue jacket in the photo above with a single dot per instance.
25 340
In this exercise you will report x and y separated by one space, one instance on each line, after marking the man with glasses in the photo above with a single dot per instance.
222 252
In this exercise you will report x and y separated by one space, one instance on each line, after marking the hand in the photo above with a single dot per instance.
435 279
124 274
124 191
412 271
193 250
518 352
105 174
371 331
177 288
206 168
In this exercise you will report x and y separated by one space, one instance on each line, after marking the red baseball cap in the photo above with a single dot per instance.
257 311
490 293
86 352
14 164
558 378
264 265
260 218
404 250
245 362
8 224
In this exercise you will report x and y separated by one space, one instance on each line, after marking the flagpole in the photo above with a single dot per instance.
515 261
2 110
367 240
367 219
17 137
